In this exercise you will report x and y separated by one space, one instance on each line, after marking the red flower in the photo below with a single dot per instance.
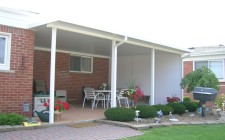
58 105
172 99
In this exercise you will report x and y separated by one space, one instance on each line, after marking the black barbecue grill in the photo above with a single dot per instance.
204 94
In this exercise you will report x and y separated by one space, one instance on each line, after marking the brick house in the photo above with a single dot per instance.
69 56
212 57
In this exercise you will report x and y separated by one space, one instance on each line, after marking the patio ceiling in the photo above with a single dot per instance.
75 42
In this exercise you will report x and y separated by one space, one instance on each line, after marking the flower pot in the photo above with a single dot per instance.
57 115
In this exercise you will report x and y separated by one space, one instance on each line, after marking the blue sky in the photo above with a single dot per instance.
176 23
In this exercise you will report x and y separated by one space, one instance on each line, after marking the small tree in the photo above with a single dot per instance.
202 77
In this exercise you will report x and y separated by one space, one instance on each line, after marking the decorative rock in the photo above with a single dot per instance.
222 118
174 120
157 120
191 115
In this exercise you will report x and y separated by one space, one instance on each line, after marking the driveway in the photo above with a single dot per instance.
65 132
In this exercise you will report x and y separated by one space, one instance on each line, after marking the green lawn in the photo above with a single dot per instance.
184 132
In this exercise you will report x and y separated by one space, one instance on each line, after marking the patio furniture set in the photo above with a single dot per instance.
104 96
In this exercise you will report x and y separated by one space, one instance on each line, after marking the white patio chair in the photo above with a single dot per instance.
90 95
100 97
121 97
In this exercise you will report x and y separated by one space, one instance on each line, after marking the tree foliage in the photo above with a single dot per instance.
202 77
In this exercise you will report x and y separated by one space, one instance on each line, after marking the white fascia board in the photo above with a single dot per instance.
16 18
84 30
200 58
71 52
111 36
155 46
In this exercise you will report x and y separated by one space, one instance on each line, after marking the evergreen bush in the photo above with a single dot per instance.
202 77
186 99
190 106
164 108
146 111
11 119
178 108
120 114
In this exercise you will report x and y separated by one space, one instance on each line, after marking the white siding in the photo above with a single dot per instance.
134 68
167 78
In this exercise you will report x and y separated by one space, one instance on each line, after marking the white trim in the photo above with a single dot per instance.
202 58
70 52
8 71
6 65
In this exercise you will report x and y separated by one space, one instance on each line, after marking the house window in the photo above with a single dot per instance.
81 64
5 48
217 66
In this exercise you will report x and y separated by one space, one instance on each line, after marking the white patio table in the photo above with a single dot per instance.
107 95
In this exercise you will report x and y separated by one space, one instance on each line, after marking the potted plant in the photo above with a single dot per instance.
134 92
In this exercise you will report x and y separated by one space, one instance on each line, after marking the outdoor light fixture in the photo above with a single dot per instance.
137 115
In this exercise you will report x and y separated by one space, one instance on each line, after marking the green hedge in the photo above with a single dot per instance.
11 119
146 111
120 114
190 106
186 99
164 108
178 108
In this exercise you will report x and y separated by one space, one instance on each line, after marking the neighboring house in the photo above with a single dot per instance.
84 57
212 57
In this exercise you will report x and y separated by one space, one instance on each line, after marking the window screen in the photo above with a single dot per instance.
81 64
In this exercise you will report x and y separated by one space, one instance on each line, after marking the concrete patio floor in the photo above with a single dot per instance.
78 114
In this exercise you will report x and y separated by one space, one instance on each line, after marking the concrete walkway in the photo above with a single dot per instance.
65 132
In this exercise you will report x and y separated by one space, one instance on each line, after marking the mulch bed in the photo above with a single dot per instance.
187 117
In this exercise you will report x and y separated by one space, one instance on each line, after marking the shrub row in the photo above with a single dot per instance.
120 114
11 119
128 114
164 108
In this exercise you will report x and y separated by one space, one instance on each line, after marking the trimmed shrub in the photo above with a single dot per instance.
146 111
120 114
164 108
178 108
190 106
186 99
11 119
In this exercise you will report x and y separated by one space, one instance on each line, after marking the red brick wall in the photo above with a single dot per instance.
72 82
16 87
188 67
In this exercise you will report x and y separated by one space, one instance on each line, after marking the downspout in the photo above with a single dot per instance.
152 97
182 75
114 70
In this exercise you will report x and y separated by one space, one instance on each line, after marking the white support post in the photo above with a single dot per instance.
114 70
182 75
152 98
113 73
52 76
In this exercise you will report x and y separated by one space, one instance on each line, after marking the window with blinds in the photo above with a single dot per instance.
216 66
81 64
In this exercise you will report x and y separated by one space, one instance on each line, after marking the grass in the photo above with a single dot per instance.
184 132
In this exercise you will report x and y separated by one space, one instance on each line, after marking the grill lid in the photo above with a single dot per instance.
204 90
